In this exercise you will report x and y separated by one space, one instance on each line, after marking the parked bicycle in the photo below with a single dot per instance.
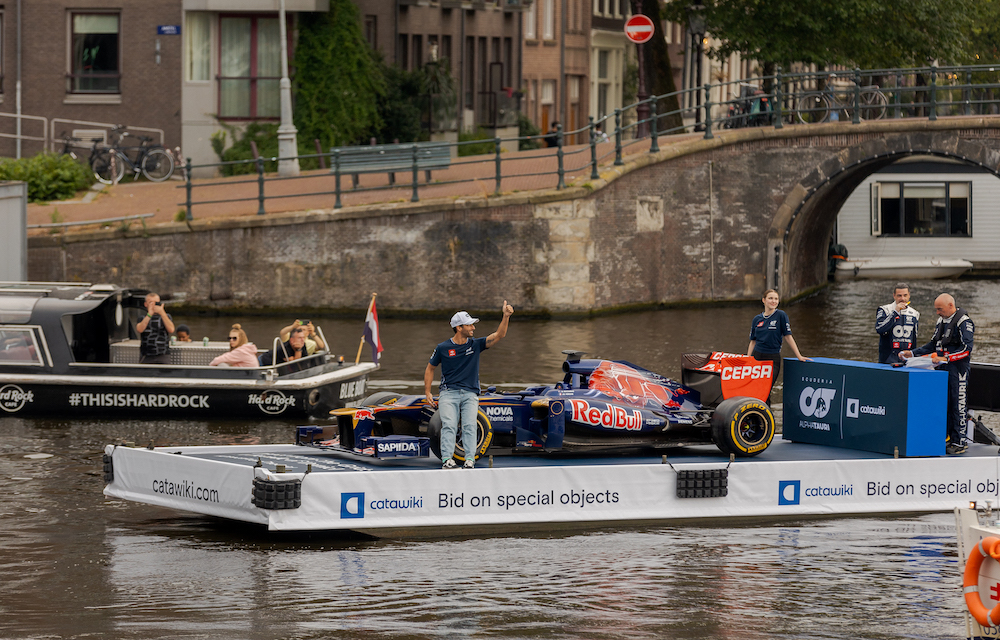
100 158
830 104
752 108
152 161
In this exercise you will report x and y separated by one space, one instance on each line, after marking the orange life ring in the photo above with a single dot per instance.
987 547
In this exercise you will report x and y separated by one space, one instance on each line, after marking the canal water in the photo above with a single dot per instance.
76 565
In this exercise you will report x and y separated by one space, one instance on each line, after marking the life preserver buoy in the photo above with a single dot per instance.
987 547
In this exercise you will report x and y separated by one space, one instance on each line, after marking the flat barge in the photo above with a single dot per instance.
299 488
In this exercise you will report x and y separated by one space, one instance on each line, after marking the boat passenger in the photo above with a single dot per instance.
293 349
313 341
154 332
241 352
767 333
183 333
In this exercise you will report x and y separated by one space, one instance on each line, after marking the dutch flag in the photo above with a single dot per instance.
371 333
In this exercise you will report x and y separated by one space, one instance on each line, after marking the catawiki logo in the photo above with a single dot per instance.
788 491
352 505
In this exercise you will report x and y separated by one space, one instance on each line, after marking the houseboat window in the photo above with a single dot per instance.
17 346
922 209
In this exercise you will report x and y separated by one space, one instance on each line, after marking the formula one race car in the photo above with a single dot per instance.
599 406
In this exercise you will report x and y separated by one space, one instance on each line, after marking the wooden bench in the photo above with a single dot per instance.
390 158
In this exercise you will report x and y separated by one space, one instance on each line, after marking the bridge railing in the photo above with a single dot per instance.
559 158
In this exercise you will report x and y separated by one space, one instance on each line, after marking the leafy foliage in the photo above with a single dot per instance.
477 149
338 81
49 176
526 127
864 33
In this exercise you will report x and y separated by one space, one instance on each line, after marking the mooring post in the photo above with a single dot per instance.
260 186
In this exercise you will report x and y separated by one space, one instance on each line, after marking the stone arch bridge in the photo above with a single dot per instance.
701 220
755 208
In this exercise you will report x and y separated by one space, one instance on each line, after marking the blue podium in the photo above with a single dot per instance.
865 406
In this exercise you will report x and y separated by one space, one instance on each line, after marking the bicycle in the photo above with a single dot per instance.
824 106
751 109
100 158
152 161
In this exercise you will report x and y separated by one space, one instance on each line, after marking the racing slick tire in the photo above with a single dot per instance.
380 397
484 436
742 426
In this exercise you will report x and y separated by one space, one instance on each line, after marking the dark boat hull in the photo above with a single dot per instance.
180 398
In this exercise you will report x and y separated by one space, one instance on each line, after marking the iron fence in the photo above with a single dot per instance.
782 99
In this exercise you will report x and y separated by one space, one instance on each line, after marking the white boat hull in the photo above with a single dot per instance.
901 268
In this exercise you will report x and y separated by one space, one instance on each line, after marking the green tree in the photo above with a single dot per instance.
865 33
659 73
338 82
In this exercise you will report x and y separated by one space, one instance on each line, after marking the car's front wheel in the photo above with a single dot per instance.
743 426
484 436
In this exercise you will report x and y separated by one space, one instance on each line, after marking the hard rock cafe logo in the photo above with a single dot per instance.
272 401
13 398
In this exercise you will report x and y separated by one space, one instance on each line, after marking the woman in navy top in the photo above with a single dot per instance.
768 331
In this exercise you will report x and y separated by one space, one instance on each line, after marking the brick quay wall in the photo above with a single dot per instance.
702 220
638 236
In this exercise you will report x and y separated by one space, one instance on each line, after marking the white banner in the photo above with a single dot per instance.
184 482
346 494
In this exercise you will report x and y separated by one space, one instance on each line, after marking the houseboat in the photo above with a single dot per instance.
72 349
918 218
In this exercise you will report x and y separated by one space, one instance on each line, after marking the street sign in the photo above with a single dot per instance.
639 29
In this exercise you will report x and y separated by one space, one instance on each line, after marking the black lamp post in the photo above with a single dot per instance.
696 25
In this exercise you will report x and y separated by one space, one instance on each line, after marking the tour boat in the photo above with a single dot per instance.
72 349
901 268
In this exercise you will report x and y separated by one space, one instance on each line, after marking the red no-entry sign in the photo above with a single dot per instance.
639 29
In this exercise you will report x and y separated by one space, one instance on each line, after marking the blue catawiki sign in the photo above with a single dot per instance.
865 406
168 30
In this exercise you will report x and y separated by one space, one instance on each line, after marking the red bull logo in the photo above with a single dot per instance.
364 414
609 417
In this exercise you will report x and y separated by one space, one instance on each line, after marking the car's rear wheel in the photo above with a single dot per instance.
743 426
380 397
484 436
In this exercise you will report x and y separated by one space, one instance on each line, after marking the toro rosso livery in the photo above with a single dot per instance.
600 405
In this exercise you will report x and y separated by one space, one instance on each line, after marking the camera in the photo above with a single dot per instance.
304 322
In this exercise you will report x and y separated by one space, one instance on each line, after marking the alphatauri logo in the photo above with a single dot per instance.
816 403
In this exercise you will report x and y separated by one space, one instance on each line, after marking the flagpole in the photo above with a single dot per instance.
361 346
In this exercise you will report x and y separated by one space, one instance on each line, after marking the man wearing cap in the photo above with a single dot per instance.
459 396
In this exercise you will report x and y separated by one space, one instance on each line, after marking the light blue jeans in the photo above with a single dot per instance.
455 404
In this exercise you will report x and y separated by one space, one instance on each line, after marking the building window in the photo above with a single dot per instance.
249 67
529 22
371 31
418 51
549 18
198 36
403 52
96 59
922 209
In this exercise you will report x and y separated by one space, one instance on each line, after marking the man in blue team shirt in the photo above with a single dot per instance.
896 324
459 396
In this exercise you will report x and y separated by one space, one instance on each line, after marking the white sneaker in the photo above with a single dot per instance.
469 464
449 464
